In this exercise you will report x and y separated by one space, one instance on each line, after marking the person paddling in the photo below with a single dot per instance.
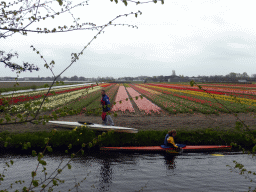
106 108
169 139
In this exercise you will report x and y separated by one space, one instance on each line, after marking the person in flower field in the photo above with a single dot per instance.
106 108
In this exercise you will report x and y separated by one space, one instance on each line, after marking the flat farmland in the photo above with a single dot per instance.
154 106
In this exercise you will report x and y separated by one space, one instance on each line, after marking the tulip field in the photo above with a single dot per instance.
148 98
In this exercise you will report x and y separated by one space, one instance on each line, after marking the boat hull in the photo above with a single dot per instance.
98 127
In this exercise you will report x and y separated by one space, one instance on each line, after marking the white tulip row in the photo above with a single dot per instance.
58 100
41 91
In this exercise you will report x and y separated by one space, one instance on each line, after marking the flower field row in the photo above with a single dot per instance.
125 102
105 84
219 91
80 104
250 102
232 85
25 98
143 104
39 92
172 104
56 101
206 100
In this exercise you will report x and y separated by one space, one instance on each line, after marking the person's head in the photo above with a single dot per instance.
103 92
172 133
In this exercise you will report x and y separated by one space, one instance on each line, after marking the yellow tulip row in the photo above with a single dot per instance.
251 102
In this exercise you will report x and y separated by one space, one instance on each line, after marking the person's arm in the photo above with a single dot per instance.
171 140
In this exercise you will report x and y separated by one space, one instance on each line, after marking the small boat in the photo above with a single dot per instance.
94 126
187 148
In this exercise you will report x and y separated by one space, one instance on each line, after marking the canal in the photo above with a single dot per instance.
115 171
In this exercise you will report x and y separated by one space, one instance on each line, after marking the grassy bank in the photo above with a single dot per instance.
62 139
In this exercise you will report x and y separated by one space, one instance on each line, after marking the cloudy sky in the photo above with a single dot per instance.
199 37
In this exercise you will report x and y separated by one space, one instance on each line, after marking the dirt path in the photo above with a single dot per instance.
153 122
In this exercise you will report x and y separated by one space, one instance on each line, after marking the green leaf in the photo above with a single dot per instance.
192 83
33 153
35 183
33 173
69 166
46 140
29 144
54 182
42 162
254 149
8 139
49 148
125 2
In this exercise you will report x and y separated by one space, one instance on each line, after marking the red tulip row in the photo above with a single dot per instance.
240 93
105 85
23 98
232 85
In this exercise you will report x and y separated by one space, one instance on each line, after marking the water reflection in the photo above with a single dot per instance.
170 161
106 172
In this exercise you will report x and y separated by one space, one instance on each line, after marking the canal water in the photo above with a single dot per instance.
114 171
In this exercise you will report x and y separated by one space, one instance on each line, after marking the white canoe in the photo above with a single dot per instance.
94 126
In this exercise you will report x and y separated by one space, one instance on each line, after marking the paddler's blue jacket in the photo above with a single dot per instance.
169 141
165 139
105 103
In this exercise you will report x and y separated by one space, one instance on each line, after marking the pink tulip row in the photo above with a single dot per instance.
143 104
125 105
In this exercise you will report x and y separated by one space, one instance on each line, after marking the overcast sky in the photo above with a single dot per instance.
199 37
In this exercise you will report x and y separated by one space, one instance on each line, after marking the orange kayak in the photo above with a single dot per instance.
188 148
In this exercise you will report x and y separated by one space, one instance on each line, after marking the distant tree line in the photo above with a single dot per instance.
231 77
